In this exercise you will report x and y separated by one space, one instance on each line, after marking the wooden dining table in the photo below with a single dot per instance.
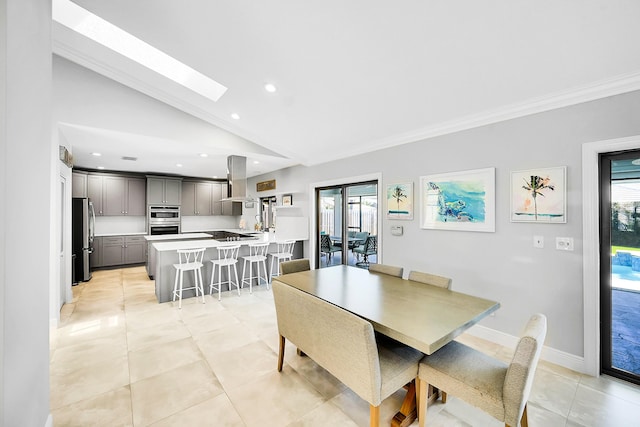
422 316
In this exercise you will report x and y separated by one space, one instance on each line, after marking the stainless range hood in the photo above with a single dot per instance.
237 177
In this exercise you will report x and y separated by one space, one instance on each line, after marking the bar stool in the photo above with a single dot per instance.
188 260
227 257
257 255
284 253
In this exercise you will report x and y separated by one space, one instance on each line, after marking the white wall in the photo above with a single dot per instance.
503 265
25 233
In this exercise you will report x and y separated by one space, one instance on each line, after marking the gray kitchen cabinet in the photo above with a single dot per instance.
115 195
95 258
112 250
196 198
94 192
218 191
134 249
164 191
109 251
79 184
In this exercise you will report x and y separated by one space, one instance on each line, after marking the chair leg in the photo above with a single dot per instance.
181 281
175 285
235 272
444 396
374 416
524 422
281 353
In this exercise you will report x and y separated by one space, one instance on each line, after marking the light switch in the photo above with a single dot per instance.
538 242
564 243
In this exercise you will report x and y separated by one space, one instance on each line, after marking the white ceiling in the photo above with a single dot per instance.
359 75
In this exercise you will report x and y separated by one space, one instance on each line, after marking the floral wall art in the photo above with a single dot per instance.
539 195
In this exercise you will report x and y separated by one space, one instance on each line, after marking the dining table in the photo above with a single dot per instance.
421 316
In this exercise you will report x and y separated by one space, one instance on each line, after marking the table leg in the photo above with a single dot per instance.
408 412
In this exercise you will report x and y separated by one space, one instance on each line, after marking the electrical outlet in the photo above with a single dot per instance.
564 243
538 242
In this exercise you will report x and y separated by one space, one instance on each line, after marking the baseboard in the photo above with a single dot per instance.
49 422
558 357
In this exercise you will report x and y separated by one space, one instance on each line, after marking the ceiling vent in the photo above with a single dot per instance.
131 159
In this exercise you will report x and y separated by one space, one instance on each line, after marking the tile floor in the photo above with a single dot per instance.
121 359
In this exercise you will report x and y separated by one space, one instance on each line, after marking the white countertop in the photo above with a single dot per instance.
209 243
121 234
161 237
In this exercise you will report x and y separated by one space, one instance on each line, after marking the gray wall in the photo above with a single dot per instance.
503 265
25 174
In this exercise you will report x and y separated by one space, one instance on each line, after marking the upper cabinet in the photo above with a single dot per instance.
164 191
79 184
204 198
114 195
196 198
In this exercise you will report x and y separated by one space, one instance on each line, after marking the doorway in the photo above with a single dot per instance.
620 264
347 219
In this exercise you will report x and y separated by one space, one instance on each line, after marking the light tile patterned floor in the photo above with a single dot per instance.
121 359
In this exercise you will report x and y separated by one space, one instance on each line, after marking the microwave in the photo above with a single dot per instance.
164 214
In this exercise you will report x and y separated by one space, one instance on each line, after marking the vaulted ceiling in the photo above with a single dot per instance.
352 76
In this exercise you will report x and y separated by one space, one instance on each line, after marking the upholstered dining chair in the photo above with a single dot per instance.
430 279
344 345
386 269
499 389
293 266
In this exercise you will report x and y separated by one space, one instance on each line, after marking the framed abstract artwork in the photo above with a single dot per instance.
539 195
400 200
287 200
463 201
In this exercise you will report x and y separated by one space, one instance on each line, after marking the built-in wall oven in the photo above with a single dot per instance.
164 220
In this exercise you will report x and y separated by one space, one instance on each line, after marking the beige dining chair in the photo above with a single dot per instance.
430 279
499 389
386 269
343 344
294 266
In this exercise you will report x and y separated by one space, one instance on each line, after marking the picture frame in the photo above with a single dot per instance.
287 200
460 201
399 198
539 195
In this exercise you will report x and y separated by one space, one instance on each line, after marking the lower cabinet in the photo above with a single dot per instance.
110 251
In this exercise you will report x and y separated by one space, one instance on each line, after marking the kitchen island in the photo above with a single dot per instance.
165 256
151 239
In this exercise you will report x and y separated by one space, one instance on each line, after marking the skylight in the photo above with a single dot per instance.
105 33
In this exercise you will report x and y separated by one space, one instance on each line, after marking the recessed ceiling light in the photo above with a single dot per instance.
255 162
100 167
204 155
105 33
179 165
235 116
215 177
270 87
96 154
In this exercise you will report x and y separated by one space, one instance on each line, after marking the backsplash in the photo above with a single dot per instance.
204 223
120 225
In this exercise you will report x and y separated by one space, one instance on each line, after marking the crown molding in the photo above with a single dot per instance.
578 95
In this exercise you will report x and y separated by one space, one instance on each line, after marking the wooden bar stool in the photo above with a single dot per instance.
257 255
188 260
227 257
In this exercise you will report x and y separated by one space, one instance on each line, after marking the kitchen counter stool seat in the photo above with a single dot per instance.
284 253
188 260
227 257
257 255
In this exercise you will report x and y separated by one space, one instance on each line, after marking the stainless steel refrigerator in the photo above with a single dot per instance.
83 221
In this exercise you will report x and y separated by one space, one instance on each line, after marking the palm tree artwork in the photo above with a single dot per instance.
535 185
398 194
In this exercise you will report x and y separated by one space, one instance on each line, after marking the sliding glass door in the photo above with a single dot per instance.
347 218
620 265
